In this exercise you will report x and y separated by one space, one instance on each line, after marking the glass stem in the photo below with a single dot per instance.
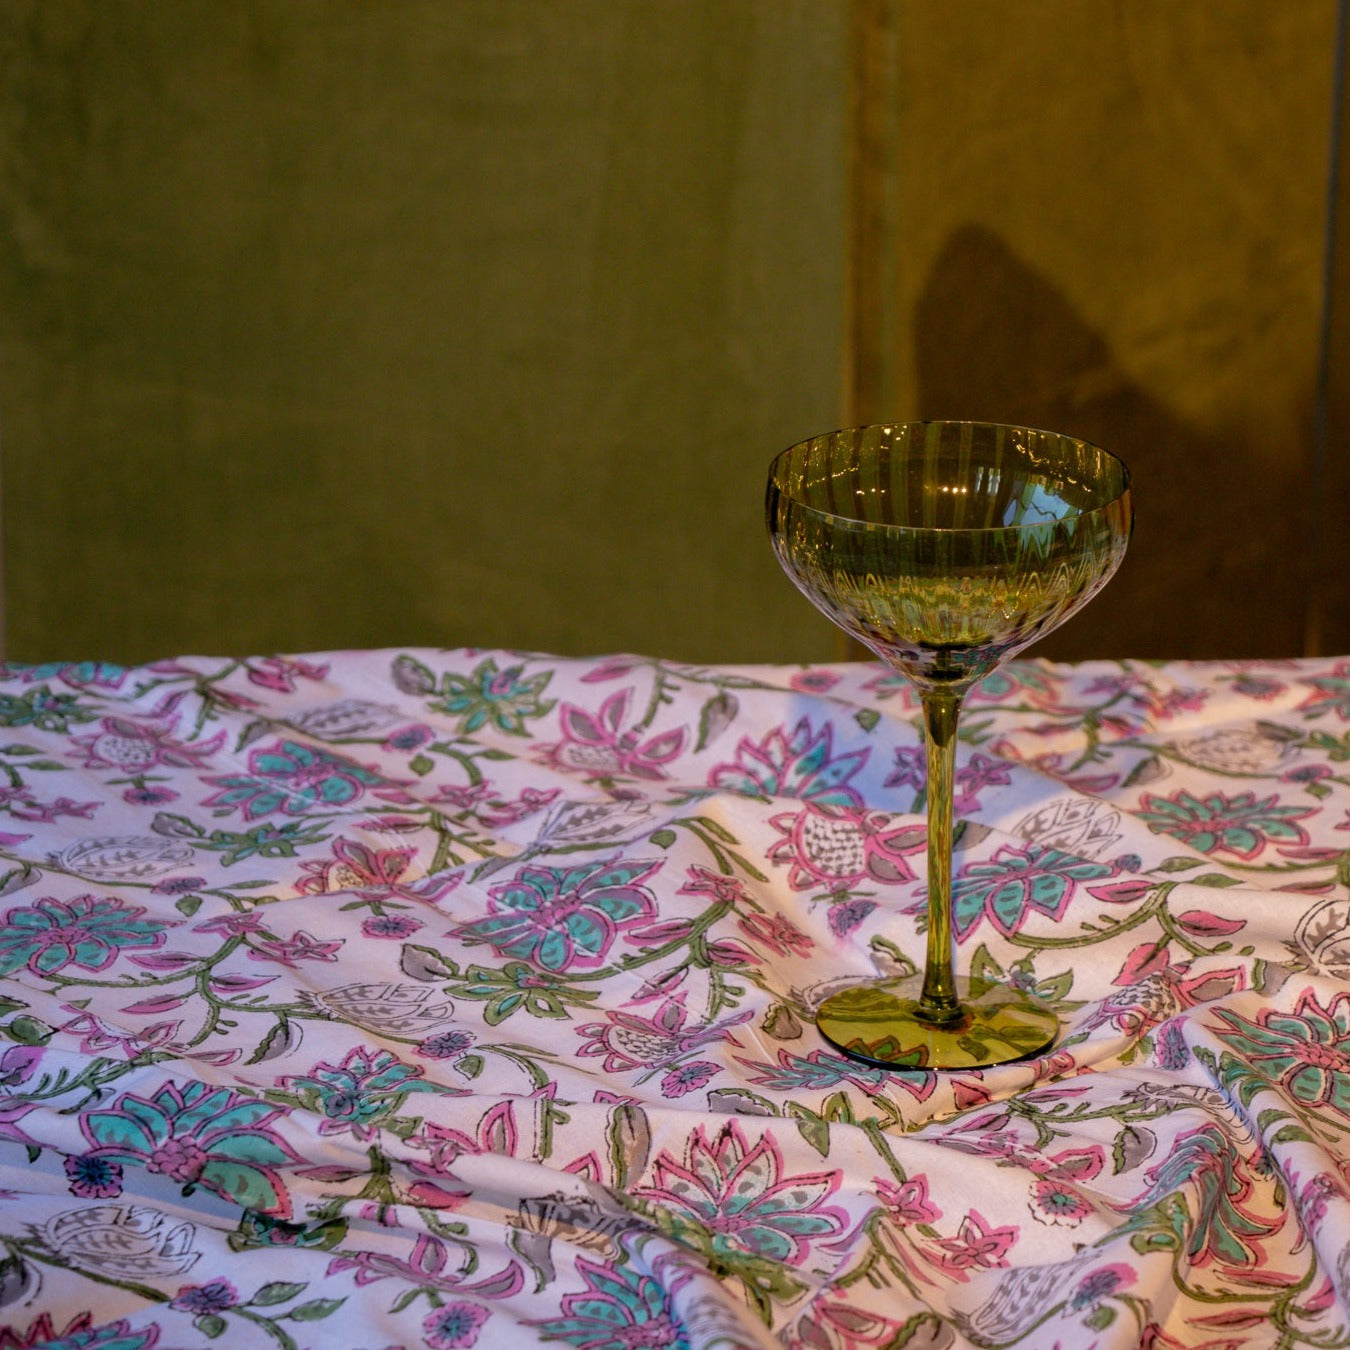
938 1002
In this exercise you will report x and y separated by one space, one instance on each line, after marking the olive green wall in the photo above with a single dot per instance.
1108 217
353 322
344 323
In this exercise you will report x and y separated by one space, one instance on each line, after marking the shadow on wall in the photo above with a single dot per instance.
1217 566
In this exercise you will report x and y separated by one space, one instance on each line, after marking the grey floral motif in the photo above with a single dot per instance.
1323 937
595 822
1077 825
408 1011
1243 749
128 857
345 719
1022 1299
122 1241
1342 1276
591 1221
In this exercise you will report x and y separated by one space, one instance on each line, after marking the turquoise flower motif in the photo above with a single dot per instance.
506 698
1331 693
1305 1052
77 674
560 917
1222 1224
1020 677
731 1199
198 1135
1016 882
292 778
87 932
356 1095
1241 825
818 1071
41 709
798 763
79 1335
620 1308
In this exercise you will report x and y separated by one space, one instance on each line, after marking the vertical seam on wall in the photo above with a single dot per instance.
869 237
1318 566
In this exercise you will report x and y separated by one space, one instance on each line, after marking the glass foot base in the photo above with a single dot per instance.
879 1024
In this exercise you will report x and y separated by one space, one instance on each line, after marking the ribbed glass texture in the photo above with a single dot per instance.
946 547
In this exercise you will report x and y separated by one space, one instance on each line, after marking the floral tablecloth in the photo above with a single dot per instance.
458 998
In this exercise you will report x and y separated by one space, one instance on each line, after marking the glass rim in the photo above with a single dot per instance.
910 425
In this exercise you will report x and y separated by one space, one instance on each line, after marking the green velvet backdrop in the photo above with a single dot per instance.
361 322
333 323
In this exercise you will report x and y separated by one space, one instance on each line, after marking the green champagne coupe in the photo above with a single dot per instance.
945 547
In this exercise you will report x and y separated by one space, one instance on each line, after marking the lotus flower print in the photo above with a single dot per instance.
1306 1052
561 917
87 932
839 847
1017 882
741 1200
1242 824
598 745
796 763
294 778
135 746
199 1135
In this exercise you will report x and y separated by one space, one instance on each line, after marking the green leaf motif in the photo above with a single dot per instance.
316 1309
1289 1134
813 1128
1178 863
1267 1118
1100 1317
255 731
278 1291
1133 1146
411 676
837 1106
281 1040
30 1030
983 966
1148 769
245 1186
1056 988
717 829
